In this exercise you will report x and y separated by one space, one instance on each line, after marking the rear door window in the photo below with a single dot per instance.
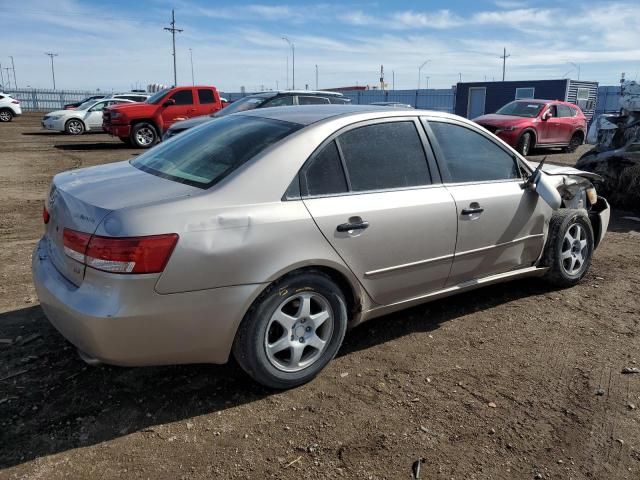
324 174
383 156
302 100
564 111
283 101
205 95
183 97
472 157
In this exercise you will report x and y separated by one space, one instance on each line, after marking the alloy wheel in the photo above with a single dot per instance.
74 127
299 331
5 116
575 249
145 136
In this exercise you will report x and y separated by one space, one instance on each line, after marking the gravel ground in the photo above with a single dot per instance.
511 381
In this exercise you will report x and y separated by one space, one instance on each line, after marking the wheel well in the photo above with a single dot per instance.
354 303
146 120
580 133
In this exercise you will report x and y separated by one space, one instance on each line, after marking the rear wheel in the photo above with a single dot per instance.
574 143
144 135
524 143
74 127
6 115
569 247
292 331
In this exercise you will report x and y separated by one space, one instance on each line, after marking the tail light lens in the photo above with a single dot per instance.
16 102
45 215
148 254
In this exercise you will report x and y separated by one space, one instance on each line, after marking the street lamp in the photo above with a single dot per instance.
193 82
293 62
420 71
577 67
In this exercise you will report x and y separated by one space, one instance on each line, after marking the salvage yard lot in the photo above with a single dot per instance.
511 381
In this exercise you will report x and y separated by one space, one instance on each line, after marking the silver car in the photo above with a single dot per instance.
268 233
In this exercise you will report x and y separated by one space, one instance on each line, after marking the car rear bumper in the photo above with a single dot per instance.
121 320
122 131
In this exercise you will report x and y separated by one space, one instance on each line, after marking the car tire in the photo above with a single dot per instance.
292 331
74 127
574 143
569 247
6 115
144 135
524 143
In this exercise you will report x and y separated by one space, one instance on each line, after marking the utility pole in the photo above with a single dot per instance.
316 76
1 77
287 71
428 82
382 77
504 62
15 82
293 62
393 79
53 72
8 69
420 71
460 77
193 82
173 31
576 65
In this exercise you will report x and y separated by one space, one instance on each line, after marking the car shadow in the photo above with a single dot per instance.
93 146
52 402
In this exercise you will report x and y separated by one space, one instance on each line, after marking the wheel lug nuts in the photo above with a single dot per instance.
308 329
303 320
301 339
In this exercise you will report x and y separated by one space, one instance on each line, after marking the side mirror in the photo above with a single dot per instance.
169 102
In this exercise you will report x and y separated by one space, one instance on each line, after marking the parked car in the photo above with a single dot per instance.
392 104
526 124
87 117
9 107
143 124
133 96
263 100
74 105
268 232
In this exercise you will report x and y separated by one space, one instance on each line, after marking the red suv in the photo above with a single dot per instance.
525 124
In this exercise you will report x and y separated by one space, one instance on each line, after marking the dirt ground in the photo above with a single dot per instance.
508 382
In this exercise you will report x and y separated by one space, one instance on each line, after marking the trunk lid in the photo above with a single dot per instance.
80 199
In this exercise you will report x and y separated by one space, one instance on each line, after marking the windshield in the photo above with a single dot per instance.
86 105
521 109
204 155
246 103
156 97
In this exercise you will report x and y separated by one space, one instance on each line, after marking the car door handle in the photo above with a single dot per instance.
345 227
472 210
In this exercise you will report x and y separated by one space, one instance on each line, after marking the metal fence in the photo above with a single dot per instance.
47 100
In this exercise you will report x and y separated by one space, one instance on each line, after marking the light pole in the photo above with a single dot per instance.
504 62
193 82
427 77
420 71
293 62
15 82
53 72
316 76
393 79
577 67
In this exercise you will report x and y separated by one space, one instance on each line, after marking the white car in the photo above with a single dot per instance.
9 107
87 117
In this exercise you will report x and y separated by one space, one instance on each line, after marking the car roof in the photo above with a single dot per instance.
308 114
300 92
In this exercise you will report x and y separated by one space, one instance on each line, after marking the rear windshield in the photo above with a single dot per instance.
246 103
204 155
521 109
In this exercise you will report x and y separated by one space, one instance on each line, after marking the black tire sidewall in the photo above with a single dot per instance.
249 345
521 143
559 225
138 126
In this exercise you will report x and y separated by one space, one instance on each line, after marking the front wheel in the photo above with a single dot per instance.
292 331
574 143
569 247
74 127
524 143
144 135
6 115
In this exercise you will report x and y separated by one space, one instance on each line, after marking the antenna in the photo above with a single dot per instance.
173 31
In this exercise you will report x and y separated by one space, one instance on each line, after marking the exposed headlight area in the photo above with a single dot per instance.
592 195
510 128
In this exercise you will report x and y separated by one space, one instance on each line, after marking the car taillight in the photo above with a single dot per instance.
148 254
45 215
16 102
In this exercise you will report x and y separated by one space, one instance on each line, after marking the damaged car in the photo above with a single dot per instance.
268 233
616 155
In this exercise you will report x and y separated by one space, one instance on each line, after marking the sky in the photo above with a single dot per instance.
118 44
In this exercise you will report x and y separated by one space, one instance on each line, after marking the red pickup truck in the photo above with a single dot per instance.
142 124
